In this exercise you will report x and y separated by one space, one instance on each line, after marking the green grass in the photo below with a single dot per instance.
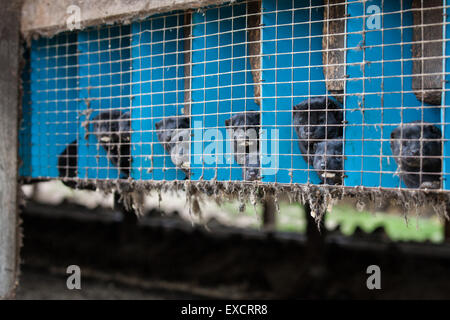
292 219
396 227
232 208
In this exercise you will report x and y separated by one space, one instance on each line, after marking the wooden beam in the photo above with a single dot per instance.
333 44
427 43
254 45
187 30
9 107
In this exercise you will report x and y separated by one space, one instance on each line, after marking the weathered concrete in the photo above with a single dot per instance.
9 107
48 17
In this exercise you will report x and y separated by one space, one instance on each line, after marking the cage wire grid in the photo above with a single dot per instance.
98 103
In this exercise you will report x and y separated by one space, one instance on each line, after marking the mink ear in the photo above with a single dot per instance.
330 103
228 122
314 148
125 115
158 125
339 115
435 130
394 134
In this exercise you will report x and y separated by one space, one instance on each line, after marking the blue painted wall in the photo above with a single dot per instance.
379 91
104 71
222 85
446 100
158 92
50 107
292 72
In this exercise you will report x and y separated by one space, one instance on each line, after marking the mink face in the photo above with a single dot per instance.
417 148
316 120
179 147
168 127
251 167
68 163
244 120
328 161
245 133
112 128
174 134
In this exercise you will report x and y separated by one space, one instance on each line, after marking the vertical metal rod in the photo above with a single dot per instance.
254 45
447 231
315 234
447 226
269 217
129 215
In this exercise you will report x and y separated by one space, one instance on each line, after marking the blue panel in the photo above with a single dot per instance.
104 71
379 92
446 100
158 92
50 108
222 85
292 72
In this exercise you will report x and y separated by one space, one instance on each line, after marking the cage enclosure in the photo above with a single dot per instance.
304 96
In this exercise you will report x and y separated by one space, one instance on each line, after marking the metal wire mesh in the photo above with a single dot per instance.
342 93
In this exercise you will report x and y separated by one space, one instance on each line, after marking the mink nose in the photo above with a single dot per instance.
414 152
323 166
252 174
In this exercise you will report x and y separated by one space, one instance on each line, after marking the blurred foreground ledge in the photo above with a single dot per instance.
166 252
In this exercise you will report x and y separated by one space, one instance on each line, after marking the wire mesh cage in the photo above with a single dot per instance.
321 92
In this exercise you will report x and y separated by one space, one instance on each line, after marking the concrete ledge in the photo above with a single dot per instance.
48 17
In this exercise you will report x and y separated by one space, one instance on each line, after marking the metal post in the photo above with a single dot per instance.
269 218
315 233
9 107
129 216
